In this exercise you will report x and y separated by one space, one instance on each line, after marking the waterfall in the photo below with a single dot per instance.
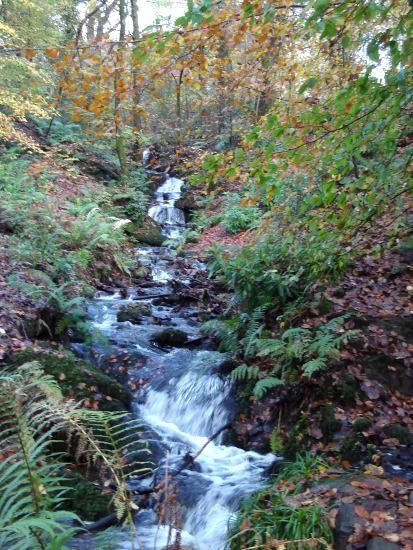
164 210
165 214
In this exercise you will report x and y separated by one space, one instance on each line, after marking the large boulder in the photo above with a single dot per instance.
170 337
146 232
134 313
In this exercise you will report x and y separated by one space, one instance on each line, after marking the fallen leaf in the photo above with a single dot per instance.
362 512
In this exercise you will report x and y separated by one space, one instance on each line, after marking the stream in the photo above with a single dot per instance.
183 401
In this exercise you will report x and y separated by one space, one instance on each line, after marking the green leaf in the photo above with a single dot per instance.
309 83
320 7
373 51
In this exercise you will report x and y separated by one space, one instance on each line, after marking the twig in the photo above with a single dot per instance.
210 439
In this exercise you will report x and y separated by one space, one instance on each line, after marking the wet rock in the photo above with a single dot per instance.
174 299
134 313
166 300
377 543
344 526
399 461
188 202
170 337
226 367
191 487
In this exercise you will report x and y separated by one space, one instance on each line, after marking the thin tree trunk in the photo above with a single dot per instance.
119 135
104 18
135 86
178 97
223 57
269 60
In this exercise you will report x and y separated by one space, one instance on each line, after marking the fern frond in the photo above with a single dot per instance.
294 333
245 372
227 336
265 384
254 330
313 366
270 347
32 413
109 442
29 483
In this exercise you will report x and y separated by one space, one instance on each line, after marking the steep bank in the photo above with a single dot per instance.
354 410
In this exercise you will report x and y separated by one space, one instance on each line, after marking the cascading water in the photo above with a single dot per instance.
185 402
164 211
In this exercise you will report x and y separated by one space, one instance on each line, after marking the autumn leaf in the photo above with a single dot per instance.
52 52
362 512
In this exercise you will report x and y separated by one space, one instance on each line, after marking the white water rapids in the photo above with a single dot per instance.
185 402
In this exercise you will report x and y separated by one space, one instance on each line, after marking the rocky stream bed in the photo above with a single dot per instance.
148 339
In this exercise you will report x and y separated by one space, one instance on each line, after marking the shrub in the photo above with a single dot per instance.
239 218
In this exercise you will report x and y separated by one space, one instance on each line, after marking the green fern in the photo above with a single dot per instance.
265 384
254 329
72 308
270 347
305 351
225 332
245 372
30 475
106 441
313 366
32 413
276 441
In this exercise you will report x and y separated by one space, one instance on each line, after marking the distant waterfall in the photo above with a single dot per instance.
164 211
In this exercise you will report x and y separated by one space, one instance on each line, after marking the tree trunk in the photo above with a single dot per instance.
135 86
119 134
178 89
269 61
90 23
104 18
222 99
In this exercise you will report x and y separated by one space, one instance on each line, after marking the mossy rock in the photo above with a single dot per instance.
361 425
86 499
397 431
352 449
78 378
356 449
345 392
134 313
147 232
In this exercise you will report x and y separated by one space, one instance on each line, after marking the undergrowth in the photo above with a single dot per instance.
34 422
65 241
271 516
297 353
